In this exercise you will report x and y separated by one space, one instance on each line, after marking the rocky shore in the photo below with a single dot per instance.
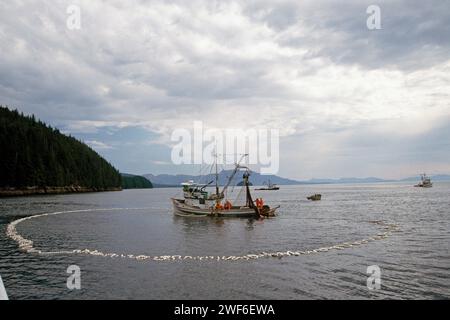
28 191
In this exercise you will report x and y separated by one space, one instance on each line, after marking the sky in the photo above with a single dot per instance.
348 101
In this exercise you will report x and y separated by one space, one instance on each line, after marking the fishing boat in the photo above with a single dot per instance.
197 201
270 187
425 182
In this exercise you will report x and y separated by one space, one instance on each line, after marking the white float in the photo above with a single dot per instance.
26 245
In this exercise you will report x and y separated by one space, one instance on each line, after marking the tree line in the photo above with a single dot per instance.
33 154
135 182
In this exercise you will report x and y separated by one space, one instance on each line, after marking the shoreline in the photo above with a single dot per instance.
29 191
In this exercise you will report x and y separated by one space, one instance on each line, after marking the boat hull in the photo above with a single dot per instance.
185 210
420 185
315 197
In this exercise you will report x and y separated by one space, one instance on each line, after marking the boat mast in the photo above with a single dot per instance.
236 169
249 201
217 177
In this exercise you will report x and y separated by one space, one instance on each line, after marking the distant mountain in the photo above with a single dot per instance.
441 177
348 180
157 185
241 184
167 180
255 179
130 181
438 177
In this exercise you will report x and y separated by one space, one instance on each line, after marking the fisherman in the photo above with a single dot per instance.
259 203
227 205
219 206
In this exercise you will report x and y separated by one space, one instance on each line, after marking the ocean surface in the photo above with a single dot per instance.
414 259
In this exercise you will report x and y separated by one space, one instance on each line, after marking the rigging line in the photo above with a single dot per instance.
239 194
199 180
202 173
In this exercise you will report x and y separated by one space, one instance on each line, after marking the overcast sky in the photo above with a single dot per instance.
349 101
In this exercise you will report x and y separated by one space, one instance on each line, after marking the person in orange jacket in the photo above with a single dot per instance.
259 203
227 205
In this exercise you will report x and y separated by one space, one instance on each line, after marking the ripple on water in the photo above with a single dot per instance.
413 260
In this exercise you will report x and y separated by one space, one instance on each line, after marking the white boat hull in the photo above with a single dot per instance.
183 209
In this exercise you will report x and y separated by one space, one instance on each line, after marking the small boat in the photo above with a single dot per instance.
425 182
270 187
199 202
315 197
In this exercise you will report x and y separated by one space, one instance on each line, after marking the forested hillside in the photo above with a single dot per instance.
33 154
135 182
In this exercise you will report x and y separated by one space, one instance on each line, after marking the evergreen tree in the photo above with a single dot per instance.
33 154
135 182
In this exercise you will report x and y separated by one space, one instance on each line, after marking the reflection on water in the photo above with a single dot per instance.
192 225
414 261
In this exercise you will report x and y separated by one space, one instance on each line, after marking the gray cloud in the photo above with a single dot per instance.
414 34
310 68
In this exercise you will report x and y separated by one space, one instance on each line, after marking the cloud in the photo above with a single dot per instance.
413 35
98 145
162 163
311 69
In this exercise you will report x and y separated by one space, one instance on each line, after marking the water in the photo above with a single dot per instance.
414 260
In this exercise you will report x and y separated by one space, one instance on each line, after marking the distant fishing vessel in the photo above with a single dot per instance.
315 197
425 182
270 186
199 202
